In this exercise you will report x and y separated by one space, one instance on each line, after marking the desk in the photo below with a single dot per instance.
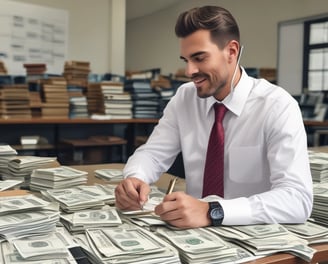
162 183
320 149
321 256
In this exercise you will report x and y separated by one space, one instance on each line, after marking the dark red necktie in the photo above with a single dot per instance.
214 166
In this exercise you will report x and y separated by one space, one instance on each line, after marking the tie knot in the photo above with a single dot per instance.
220 111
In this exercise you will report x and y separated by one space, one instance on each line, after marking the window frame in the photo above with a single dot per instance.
307 50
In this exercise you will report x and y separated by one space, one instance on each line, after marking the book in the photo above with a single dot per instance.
121 96
142 84
29 140
112 87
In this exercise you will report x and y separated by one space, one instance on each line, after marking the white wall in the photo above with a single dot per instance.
151 41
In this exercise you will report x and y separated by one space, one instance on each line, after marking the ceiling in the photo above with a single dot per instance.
140 8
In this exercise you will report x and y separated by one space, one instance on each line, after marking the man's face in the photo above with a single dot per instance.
206 64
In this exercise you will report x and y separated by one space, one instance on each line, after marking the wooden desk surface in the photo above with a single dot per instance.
321 256
162 183
320 149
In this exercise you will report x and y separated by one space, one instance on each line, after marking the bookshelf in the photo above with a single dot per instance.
57 130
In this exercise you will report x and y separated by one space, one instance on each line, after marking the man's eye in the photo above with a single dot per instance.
199 59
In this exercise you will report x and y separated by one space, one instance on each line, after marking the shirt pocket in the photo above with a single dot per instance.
246 164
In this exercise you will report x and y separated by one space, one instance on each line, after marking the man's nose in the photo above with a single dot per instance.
191 69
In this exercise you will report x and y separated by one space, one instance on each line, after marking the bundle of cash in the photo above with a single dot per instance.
56 178
201 246
80 221
109 174
320 203
81 197
310 231
267 239
126 244
319 166
40 249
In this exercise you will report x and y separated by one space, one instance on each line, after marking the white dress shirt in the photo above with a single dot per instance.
267 175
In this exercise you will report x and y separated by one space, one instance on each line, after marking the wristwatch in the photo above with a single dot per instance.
216 213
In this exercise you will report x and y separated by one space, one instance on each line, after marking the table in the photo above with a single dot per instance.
321 256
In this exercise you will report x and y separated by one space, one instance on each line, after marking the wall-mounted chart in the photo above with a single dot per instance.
32 34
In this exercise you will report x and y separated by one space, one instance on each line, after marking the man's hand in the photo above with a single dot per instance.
183 211
131 193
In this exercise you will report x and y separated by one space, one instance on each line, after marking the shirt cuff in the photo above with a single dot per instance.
236 211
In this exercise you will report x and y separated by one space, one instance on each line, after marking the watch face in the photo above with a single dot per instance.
216 213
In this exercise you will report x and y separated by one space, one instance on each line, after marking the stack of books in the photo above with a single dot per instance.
94 98
78 104
35 103
145 98
108 100
15 101
78 107
165 88
117 103
76 73
55 99
35 71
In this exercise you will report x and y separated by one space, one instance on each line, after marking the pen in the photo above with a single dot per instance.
171 185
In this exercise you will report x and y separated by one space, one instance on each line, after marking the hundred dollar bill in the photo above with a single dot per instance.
26 223
168 254
312 232
192 240
81 220
53 245
263 230
11 256
281 243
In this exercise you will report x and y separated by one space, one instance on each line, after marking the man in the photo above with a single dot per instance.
266 169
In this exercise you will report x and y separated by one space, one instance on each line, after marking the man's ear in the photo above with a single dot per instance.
232 49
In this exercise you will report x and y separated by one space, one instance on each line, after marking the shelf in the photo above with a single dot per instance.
22 121
33 147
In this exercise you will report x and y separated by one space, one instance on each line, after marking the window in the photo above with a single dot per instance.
315 60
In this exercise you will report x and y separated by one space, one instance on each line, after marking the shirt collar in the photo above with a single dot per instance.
236 100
